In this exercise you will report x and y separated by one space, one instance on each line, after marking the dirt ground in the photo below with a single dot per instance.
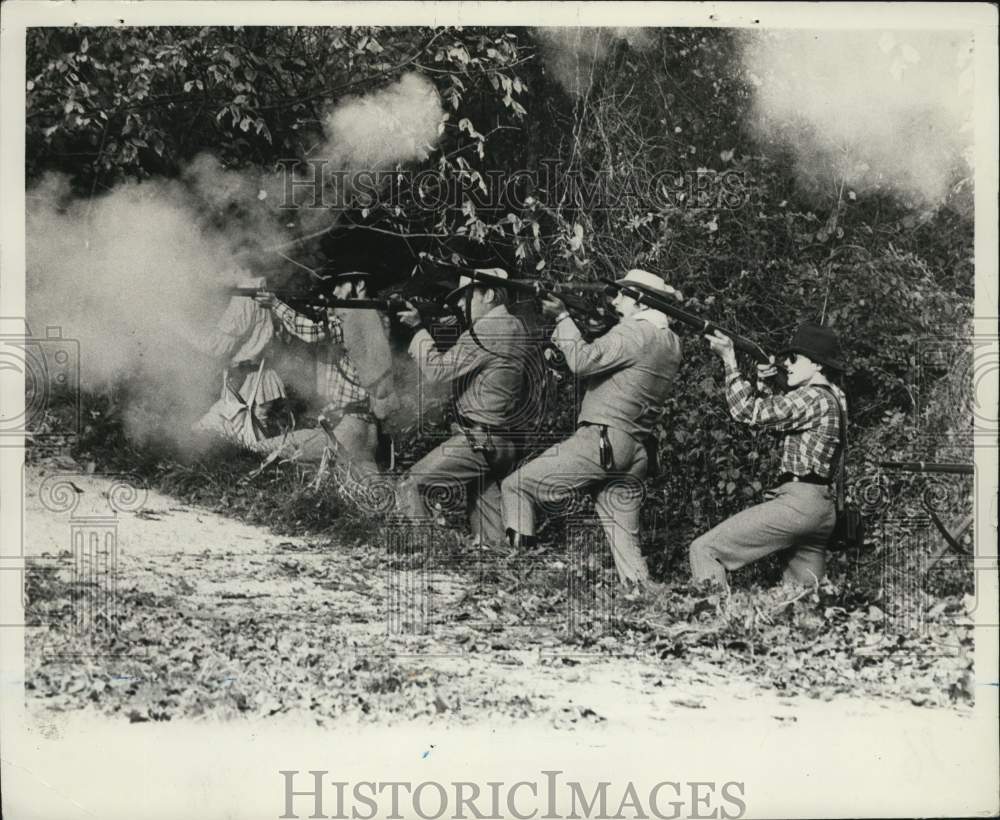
213 616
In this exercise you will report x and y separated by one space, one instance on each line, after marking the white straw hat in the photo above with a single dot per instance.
649 282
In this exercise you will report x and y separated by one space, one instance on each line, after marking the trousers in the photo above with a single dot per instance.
797 520
454 468
573 467
357 437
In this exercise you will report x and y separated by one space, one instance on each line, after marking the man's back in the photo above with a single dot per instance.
488 367
627 374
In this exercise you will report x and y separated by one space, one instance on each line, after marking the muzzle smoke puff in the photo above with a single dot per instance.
873 110
366 134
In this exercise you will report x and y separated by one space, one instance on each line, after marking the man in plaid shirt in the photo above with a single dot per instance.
347 392
337 380
798 516
808 416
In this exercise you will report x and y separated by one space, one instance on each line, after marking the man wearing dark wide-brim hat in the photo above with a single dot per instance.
798 516
353 370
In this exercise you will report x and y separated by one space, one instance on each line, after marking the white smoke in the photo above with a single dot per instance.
365 135
397 124
133 276
872 110
137 274
574 55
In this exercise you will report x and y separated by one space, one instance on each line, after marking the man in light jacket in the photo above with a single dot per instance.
627 376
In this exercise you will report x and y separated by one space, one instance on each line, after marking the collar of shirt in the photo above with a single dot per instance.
655 317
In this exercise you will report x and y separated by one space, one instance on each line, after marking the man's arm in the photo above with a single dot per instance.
222 341
308 329
463 357
790 412
606 354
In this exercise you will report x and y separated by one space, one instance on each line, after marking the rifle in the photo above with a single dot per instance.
598 318
741 343
392 305
954 468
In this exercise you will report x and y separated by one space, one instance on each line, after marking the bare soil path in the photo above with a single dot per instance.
217 618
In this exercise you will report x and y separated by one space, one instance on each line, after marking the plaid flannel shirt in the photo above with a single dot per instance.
337 381
806 415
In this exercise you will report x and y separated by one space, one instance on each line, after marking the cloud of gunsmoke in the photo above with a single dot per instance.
398 123
574 55
869 110
135 276
363 135
366 134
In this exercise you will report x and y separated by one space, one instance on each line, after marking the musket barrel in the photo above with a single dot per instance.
741 343
319 299
279 292
954 468
543 286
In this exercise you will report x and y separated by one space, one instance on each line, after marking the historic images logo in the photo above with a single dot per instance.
318 183
50 368
91 562
547 797
968 365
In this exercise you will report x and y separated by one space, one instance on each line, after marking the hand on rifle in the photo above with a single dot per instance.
265 298
411 316
767 371
552 306
723 345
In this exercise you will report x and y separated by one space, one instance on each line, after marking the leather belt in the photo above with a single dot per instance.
808 478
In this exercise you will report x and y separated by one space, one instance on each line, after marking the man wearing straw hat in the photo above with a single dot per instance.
627 375
488 368
797 516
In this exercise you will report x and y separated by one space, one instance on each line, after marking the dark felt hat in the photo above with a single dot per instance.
346 266
819 343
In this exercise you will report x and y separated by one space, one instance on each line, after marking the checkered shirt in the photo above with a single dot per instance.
337 381
806 415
